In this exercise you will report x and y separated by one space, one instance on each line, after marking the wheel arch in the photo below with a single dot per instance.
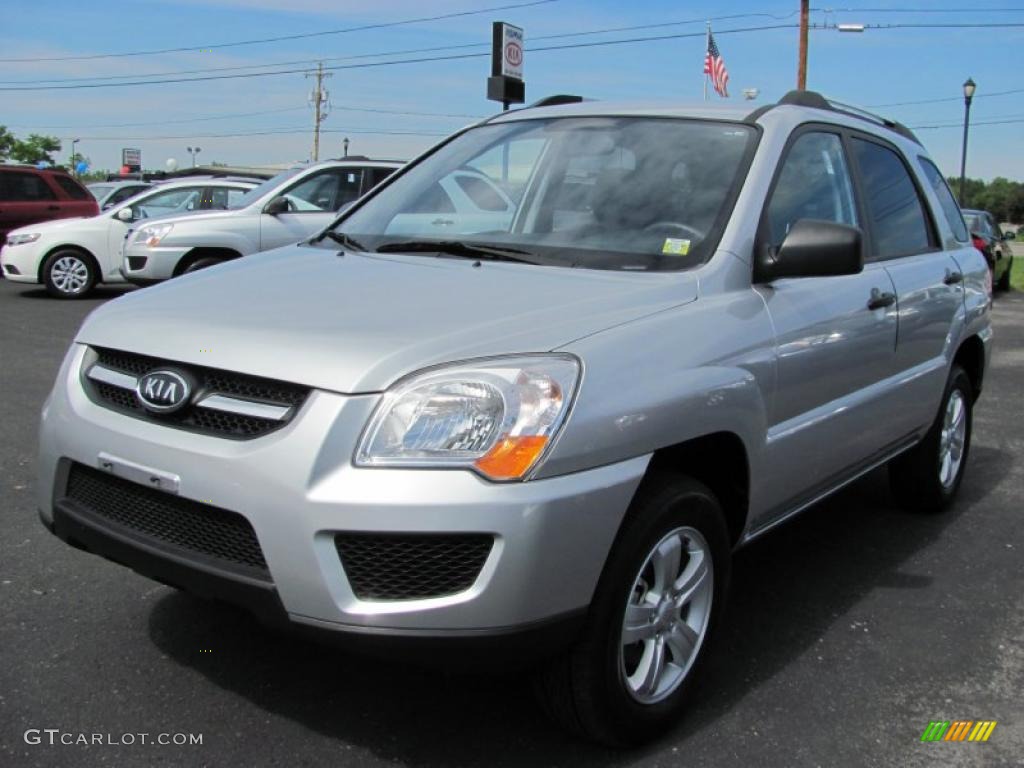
205 252
69 247
970 356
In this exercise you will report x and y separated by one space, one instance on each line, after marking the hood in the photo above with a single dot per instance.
53 225
190 216
356 322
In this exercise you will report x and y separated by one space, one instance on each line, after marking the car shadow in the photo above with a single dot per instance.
99 293
788 589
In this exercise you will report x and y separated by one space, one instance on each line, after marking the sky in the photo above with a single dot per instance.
881 66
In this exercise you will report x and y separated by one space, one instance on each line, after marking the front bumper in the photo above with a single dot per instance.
25 259
156 263
298 488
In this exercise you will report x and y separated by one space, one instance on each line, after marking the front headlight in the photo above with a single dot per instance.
496 416
153 234
22 239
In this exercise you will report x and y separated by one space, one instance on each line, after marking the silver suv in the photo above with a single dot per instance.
548 426
281 211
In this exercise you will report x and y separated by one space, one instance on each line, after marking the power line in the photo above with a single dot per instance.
944 99
420 60
973 123
268 132
434 49
282 38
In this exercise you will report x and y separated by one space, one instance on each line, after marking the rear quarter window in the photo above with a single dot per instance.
73 189
950 209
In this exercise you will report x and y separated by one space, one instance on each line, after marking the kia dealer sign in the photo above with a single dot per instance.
512 51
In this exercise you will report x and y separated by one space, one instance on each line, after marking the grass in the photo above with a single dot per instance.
1017 275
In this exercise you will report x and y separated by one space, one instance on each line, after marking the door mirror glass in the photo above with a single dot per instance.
813 248
126 214
276 206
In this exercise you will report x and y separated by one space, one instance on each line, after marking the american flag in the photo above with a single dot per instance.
714 65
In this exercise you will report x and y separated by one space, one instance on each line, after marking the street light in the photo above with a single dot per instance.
74 162
750 93
193 151
969 87
344 145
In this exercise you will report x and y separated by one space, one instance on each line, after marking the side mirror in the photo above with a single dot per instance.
813 248
276 206
126 214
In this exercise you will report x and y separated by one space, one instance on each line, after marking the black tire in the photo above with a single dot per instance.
915 477
69 274
1004 281
208 261
586 690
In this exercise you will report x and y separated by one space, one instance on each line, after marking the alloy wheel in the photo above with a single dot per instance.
667 616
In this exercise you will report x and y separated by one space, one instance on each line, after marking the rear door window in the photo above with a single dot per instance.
899 224
18 186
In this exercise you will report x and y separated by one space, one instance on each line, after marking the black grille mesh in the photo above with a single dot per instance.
174 523
209 380
386 566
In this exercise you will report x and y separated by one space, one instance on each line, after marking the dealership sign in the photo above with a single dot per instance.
506 81
132 158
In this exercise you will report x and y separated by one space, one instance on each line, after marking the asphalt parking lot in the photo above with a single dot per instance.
848 631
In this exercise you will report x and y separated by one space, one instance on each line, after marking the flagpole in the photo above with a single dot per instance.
707 47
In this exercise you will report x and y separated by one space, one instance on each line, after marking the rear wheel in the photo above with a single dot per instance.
928 476
68 274
655 607
1004 280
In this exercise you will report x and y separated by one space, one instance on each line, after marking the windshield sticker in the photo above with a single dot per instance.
675 246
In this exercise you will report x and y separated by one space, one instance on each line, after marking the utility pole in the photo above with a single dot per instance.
318 97
801 72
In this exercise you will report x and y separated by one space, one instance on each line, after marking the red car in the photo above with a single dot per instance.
29 195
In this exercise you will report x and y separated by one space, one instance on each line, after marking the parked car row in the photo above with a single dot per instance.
212 220
992 242
71 256
527 396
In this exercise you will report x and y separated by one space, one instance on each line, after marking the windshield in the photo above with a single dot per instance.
99 191
256 193
975 223
600 192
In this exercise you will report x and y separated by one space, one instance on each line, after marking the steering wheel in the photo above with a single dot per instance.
692 233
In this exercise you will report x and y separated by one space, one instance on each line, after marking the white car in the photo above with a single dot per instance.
70 256
466 200
290 207
110 193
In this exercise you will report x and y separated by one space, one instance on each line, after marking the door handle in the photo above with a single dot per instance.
881 299
442 222
53 207
952 278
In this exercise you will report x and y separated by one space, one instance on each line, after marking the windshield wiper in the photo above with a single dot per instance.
341 239
459 248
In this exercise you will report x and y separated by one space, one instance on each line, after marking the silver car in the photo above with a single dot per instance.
543 430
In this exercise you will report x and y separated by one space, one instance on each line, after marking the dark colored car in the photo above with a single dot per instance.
29 195
991 241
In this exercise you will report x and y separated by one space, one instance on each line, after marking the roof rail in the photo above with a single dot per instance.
556 100
815 100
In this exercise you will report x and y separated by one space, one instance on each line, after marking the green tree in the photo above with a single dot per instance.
35 149
7 141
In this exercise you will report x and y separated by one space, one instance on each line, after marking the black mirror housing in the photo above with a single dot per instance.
813 248
276 206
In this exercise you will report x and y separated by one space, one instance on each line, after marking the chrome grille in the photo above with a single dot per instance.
225 403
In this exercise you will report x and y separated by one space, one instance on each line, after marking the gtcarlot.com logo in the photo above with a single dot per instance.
958 730
57 737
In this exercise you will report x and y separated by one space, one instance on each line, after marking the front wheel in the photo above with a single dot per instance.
927 477
655 607
68 274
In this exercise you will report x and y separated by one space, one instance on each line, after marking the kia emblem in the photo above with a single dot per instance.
164 391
